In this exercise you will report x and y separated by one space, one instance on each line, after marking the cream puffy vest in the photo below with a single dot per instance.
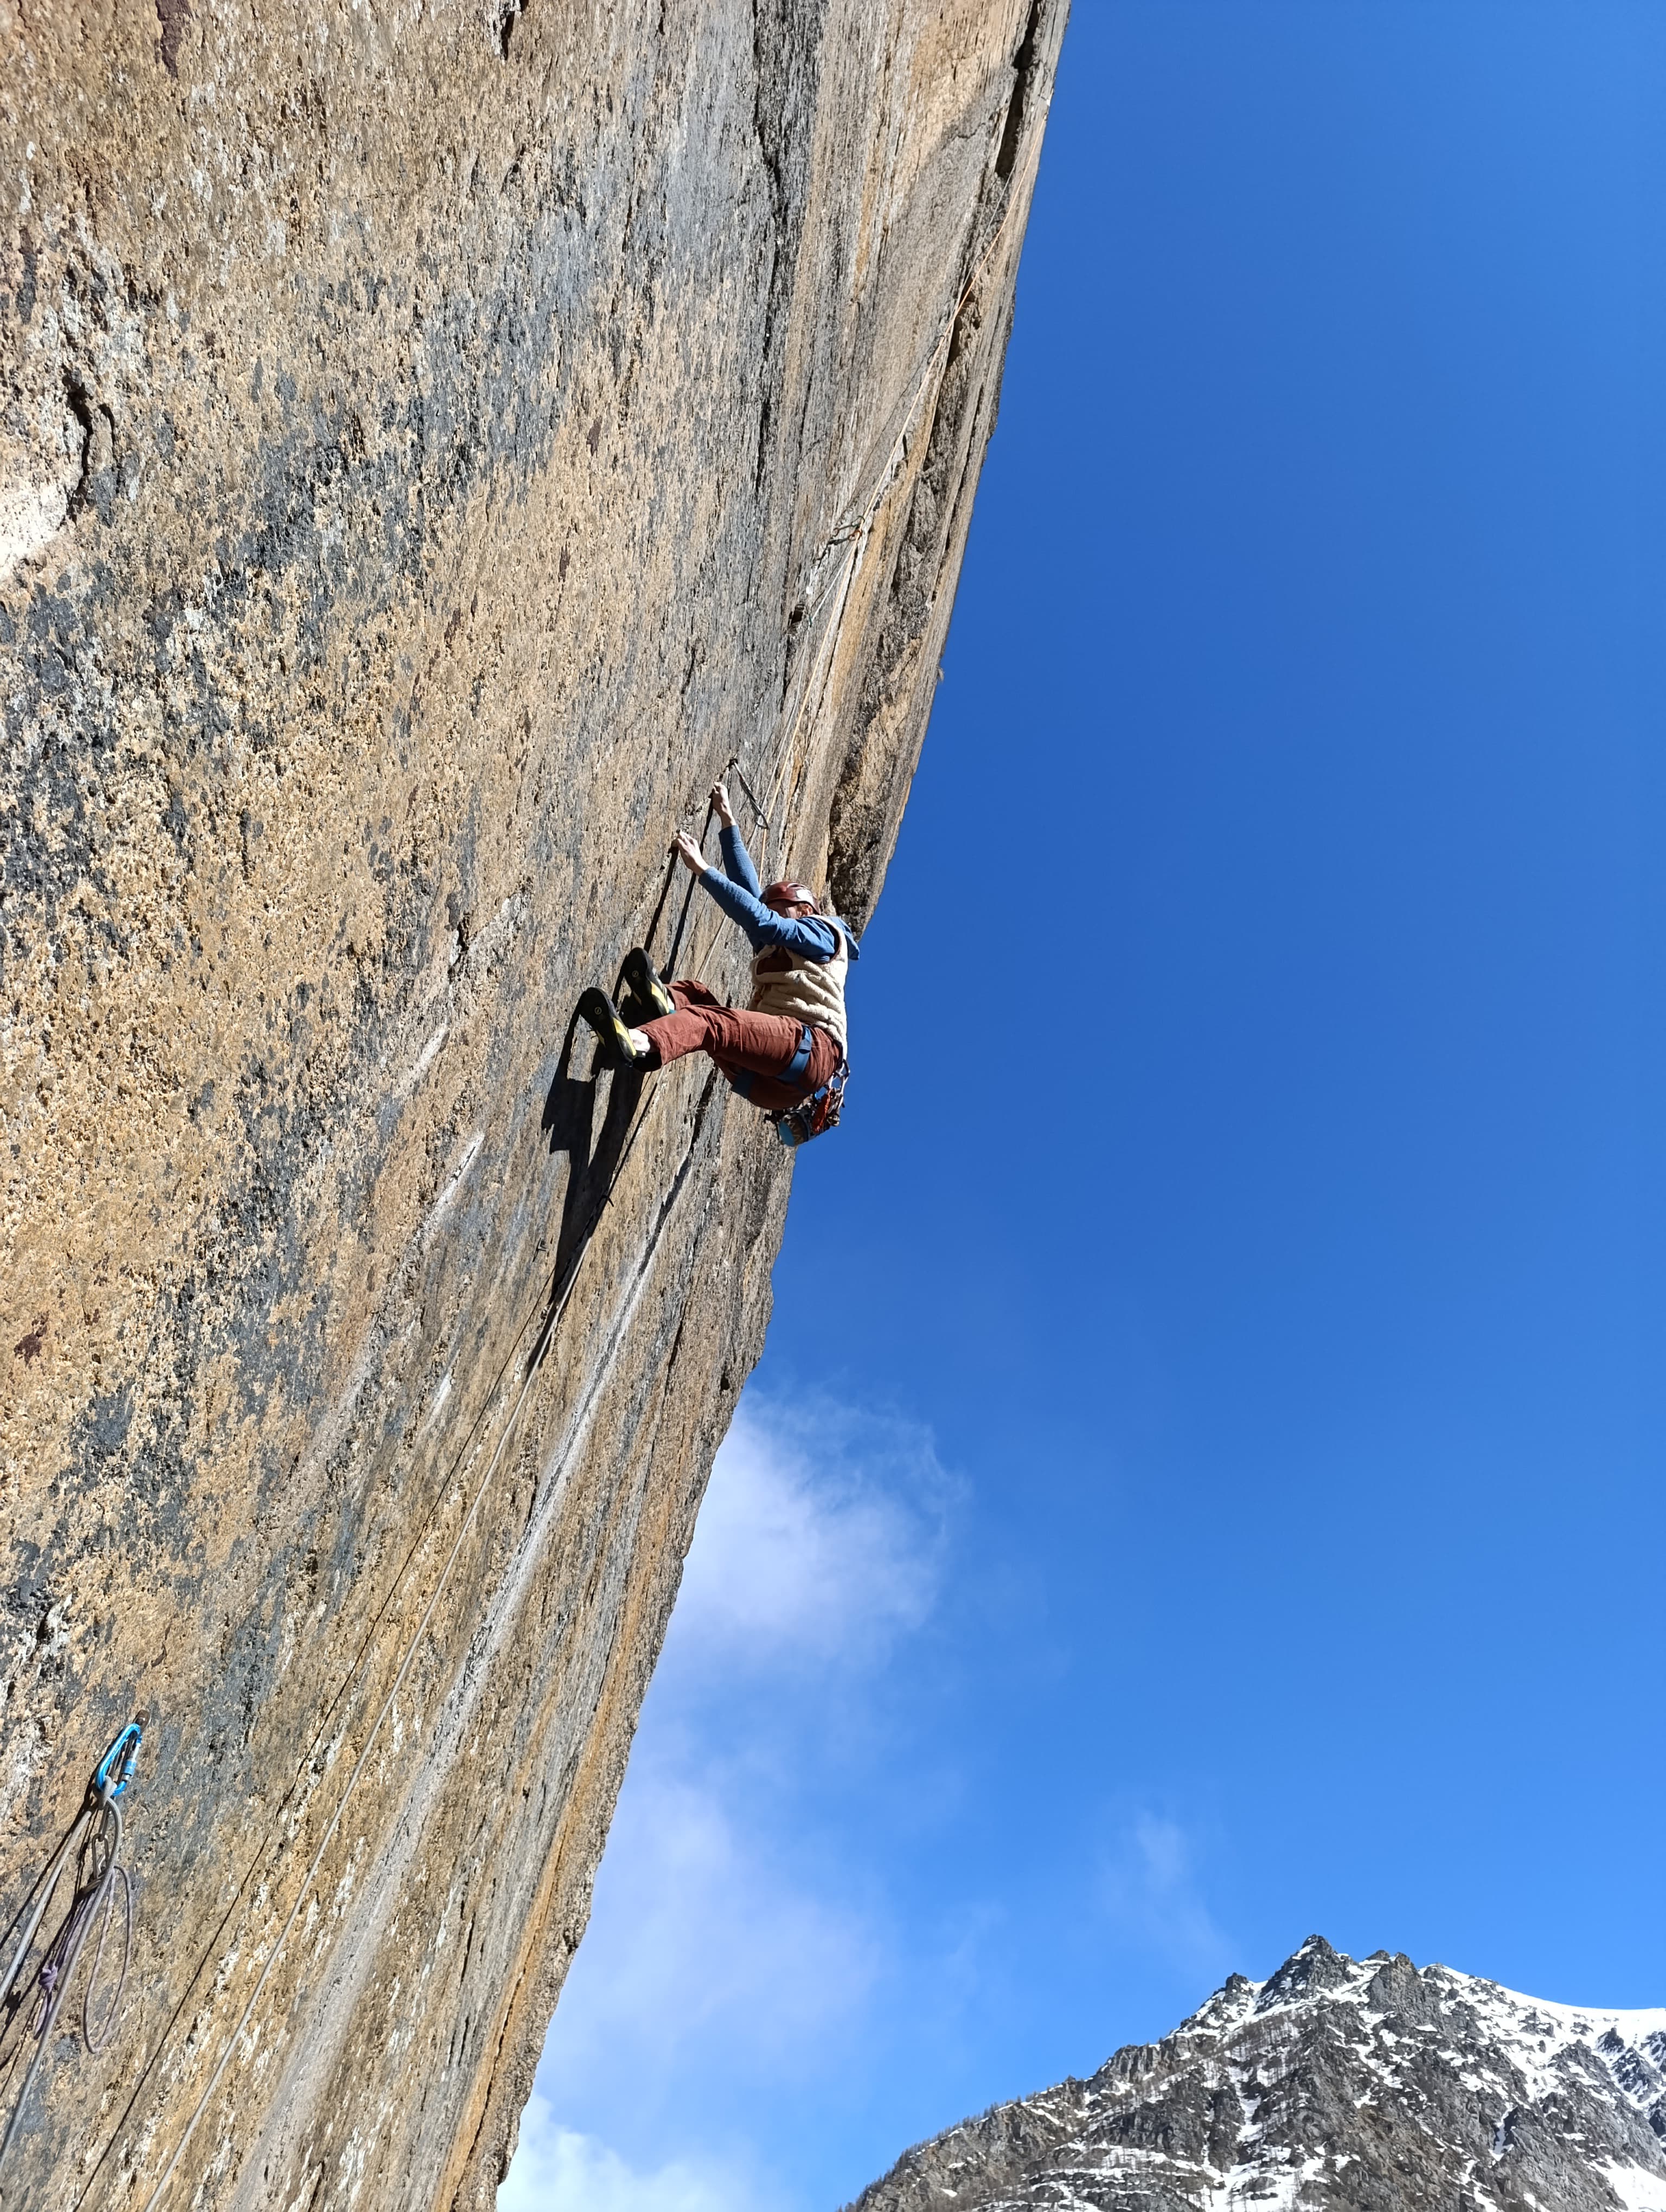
804 990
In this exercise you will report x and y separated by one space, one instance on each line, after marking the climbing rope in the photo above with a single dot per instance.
562 1293
533 1364
856 527
858 512
855 536
93 1840
760 820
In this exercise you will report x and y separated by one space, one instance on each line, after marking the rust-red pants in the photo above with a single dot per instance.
751 1049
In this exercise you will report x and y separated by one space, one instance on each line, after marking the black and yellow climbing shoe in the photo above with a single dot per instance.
647 997
596 1008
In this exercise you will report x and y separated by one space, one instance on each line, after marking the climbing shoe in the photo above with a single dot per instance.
596 1008
647 997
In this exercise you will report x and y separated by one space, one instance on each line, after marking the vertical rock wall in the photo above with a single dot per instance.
434 439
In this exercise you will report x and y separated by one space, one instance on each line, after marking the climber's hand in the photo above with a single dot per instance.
688 851
720 806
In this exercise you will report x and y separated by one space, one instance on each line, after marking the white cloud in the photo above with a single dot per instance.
705 1941
1152 1893
557 2170
735 1945
820 1539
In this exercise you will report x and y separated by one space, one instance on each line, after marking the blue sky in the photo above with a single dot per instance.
1203 1483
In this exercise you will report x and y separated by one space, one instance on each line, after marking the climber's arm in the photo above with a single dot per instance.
737 860
811 936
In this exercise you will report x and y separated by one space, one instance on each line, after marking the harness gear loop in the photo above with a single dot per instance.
814 1115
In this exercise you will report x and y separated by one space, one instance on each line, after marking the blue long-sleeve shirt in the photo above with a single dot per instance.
815 937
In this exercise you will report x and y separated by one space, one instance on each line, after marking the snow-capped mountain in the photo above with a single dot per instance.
1338 2083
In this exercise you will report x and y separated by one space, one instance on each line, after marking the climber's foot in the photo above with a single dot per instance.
627 1047
647 997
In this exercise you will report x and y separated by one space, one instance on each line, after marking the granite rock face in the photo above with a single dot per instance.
1338 2086
433 439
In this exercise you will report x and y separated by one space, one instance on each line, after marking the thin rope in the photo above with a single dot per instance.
760 818
732 767
1021 177
856 533
660 903
545 1336
310 1754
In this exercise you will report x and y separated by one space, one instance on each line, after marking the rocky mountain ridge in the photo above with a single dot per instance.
1338 2085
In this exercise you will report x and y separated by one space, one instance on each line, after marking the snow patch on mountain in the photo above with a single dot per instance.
1335 2083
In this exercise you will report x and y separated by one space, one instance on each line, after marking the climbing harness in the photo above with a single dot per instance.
820 1111
796 1124
93 1840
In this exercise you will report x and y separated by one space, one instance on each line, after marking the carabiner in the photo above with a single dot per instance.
101 1785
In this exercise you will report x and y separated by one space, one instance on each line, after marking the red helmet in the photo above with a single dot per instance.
787 893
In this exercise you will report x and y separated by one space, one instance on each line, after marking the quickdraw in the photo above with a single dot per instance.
93 1840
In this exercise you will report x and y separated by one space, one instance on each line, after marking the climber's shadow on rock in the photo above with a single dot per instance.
570 1115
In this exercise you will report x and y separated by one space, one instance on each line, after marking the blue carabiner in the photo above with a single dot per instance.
128 1741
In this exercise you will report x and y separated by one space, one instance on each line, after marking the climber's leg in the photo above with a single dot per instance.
763 1088
750 1050
703 1023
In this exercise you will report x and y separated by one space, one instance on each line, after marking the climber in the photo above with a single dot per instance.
787 1049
